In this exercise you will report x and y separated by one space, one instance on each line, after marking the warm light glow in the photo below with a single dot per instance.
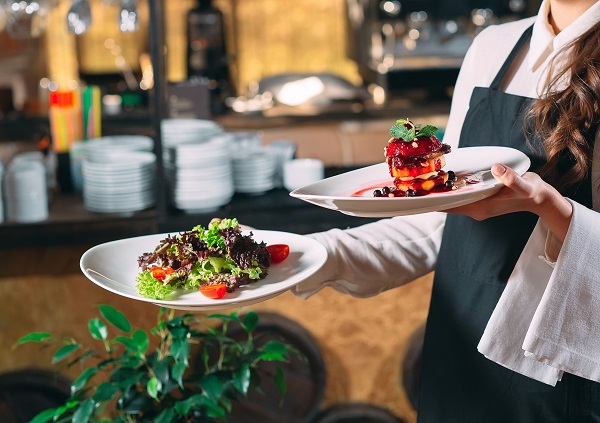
451 27
391 7
72 85
414 34
378 95
44 83
299 92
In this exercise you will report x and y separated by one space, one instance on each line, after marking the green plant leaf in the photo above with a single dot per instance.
115 317
64 408
141 339
271 356
184 407
83 379
125 378
84 412
152 387
250 321
81 358
180 350
134 402
44 416
177 372
226 403
33 337
64 352
213 410
275 347
166 416
280 381
98 329
177 321
212 387
129 343
160 368
241 378
105 392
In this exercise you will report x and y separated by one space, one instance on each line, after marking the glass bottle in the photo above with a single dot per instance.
206 52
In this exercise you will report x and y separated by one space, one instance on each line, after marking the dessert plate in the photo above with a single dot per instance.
351 193
114 267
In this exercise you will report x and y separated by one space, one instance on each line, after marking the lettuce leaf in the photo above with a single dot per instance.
149 286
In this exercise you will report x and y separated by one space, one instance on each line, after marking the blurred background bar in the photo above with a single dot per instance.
133 117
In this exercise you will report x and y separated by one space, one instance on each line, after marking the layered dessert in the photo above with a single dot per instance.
415 158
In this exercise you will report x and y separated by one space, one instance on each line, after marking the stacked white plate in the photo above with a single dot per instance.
181 131
199 175
96 148
254 171
119 182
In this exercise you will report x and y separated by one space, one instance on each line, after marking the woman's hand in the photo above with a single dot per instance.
523 193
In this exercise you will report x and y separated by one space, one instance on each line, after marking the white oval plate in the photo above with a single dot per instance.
340 192
114 267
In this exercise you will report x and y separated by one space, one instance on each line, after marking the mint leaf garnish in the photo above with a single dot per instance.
407 131
402 132
427 131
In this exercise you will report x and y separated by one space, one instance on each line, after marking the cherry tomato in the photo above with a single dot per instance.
279 252
214 292
161 273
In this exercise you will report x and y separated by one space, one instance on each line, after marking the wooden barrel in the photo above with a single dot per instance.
305 379
411 365
27 392
356 412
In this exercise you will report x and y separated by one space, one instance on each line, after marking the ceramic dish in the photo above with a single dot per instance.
352 192
113 266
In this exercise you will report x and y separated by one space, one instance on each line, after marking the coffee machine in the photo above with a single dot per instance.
402 45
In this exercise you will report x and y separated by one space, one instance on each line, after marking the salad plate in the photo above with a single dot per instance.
114 267
351 193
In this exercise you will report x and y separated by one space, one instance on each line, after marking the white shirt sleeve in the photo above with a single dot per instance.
375 257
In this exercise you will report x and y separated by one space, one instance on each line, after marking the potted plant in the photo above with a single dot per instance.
128 379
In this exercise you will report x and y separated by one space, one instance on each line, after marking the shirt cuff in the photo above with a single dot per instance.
551 248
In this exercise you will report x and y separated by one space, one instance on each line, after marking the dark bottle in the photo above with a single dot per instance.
206 52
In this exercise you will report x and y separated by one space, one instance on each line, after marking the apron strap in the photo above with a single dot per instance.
500 76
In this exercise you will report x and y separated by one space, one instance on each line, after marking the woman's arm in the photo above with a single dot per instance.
375 257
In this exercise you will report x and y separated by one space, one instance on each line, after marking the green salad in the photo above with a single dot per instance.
220 255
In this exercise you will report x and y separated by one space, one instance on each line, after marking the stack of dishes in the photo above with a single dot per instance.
199 175
182 131
98 147
119 182
26 189
254 171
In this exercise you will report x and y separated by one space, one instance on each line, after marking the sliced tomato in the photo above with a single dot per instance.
214 292
160 273
279 252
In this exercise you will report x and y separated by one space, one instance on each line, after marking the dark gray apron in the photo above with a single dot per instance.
458 384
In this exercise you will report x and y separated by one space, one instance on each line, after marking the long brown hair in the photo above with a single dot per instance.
564 118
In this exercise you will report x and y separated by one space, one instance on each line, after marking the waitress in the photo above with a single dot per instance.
512 327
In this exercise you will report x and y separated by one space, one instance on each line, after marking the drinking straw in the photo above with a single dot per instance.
97 112
86 110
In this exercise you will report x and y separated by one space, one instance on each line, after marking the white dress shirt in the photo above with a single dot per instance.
369 259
